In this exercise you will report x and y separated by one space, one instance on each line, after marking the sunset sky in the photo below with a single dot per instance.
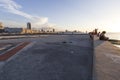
62 14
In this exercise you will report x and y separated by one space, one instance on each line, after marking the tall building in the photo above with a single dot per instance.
28 25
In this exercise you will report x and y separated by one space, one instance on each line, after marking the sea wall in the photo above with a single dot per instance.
106 61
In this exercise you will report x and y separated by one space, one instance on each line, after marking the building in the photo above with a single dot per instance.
53 30
47 29
29 25
1 27
13 30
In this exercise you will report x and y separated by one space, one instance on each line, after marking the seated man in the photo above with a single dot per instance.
91 35
102 36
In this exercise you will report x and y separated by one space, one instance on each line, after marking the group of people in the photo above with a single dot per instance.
100 35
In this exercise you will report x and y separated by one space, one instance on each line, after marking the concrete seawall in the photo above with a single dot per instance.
63 57
107 61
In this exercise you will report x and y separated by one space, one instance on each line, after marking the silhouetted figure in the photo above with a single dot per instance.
95 31
98 34
102 36
91 35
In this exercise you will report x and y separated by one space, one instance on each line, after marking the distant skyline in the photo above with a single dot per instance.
83 15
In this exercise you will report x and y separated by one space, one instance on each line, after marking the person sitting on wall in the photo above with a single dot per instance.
91 35
102 36
98 34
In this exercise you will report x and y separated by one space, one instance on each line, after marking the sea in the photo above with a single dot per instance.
115 36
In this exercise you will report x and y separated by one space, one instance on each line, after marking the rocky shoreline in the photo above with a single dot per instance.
113 41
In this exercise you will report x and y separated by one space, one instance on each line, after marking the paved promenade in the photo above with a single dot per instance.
107 61
54 57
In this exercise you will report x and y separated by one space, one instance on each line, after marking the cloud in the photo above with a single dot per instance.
12 7
37 21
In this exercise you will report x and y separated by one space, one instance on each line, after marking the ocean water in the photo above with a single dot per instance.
115 36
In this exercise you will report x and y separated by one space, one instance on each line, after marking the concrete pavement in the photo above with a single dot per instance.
55 57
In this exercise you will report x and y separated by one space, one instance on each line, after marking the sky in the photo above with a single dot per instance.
82 15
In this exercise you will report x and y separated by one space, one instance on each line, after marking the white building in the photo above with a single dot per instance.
13 30
1 25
